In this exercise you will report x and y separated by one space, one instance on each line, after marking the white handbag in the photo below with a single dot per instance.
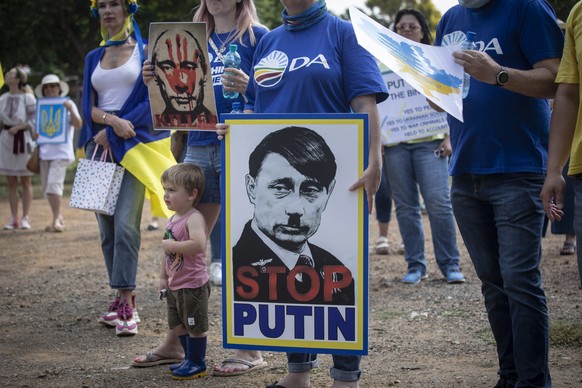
97 184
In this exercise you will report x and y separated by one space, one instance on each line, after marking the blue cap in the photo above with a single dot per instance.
471 36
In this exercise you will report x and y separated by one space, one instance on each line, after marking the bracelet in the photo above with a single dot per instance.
103 118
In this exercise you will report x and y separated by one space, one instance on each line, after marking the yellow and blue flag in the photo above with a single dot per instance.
1 76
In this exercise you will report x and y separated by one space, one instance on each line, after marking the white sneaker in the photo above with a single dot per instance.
216 274
126 324
382 246
24 224
12 224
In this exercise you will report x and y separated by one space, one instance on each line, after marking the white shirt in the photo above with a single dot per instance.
115 85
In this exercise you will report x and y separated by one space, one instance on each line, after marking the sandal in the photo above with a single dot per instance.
568 249
153 359
382 246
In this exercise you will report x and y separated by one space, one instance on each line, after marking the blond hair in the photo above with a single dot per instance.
188 176
246 18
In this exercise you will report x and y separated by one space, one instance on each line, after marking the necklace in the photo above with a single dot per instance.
115 50
225 42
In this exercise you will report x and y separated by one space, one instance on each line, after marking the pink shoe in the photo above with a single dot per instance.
110 317
126 324
12 224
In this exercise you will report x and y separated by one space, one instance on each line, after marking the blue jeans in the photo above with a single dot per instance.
412 167
578 222
120 233
345 368
500 217
383 198
208 158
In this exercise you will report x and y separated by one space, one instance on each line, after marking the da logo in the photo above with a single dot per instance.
270 69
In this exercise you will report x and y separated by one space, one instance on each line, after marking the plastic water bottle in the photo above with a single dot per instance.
468 44
236 108
231 59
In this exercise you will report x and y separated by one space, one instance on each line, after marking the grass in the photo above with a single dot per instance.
562 334
485 334
565 334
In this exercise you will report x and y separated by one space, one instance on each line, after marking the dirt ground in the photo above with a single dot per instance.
52 287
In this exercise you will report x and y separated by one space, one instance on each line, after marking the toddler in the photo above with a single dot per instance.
183 271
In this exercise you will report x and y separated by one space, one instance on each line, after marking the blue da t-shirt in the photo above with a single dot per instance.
503 131
316 70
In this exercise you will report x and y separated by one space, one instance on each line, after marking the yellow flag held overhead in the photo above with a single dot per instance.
1 76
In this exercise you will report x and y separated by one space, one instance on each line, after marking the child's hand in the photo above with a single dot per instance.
163 283
167 245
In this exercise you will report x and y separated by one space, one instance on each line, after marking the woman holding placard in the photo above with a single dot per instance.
56 157
421 164
116 112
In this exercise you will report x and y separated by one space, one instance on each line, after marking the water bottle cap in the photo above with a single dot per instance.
471 35
236 105
233 48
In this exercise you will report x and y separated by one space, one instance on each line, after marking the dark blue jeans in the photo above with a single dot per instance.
578 222
345 368
500 218
383 197
120 233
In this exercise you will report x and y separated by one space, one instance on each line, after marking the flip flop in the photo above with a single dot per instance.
153 359
252 365
568 249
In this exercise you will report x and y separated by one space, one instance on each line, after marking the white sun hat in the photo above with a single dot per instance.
51 79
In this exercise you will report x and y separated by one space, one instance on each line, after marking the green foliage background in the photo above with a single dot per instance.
54 36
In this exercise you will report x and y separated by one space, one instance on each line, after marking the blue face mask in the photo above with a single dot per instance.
473 3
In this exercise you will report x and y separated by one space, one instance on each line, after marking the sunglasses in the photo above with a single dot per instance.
409 26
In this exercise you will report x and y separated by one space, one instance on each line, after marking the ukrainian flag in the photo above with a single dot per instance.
147 156
1 76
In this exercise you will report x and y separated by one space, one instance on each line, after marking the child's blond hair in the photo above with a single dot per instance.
188 176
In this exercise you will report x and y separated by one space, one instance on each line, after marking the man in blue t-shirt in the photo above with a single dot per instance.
498 166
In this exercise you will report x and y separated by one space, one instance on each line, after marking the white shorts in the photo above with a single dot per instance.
52 176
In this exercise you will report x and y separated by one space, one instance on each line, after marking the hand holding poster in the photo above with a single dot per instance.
181 93
52 120
428 69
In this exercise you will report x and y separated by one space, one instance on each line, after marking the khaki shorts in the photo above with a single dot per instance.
52 176
189 307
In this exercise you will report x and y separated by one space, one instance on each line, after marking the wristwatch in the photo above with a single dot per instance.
502 77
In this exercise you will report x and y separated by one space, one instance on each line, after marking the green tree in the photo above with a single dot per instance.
269 12
55 36
383 11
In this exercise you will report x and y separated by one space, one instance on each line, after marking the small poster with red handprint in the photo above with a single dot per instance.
181 93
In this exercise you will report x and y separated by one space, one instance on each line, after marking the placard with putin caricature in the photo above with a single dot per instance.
295 236
181 93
